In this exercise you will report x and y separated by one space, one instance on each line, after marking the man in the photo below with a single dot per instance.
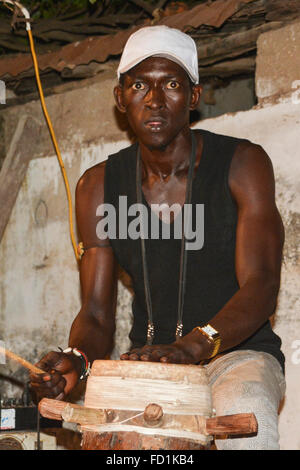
227 286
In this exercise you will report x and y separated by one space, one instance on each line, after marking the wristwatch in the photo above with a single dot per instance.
213 335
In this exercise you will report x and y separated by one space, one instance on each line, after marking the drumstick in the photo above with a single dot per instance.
21 361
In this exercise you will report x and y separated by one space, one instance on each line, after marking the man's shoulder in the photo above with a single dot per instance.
217 137
251 171
244 150
123 156
249 153
96 173
92 175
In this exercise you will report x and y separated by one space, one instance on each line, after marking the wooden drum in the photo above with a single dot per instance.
147 406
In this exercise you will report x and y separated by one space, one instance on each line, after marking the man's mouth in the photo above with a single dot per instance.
155 123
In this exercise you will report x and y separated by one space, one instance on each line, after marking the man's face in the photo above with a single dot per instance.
157 97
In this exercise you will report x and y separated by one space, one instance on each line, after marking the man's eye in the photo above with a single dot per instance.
138 86
172 85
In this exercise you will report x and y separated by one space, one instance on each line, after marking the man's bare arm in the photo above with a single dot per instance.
259 244
93 328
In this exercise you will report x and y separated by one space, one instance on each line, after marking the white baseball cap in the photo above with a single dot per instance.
160 41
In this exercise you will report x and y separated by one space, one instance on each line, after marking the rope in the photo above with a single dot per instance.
129 419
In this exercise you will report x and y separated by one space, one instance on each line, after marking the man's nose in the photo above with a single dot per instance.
155 98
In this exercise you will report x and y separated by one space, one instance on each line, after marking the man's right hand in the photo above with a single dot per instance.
61 375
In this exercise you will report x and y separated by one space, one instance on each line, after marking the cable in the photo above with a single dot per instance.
48 120
54 143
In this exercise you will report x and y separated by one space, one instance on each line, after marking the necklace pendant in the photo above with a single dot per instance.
179 330
150 333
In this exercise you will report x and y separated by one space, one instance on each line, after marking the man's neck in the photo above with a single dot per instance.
168 160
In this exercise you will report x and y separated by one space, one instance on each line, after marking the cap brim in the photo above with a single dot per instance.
174 58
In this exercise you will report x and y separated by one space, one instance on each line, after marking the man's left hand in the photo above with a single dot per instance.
186 350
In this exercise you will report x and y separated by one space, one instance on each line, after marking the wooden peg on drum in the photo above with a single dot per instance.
153 415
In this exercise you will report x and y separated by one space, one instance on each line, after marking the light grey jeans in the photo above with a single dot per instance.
248 382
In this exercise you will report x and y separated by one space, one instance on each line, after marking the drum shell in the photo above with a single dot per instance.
129 386
136 441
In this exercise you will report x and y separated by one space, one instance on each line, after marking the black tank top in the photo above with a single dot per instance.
210 274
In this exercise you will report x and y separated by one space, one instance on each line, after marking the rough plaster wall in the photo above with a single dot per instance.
278 61
39 288
81 116
39 294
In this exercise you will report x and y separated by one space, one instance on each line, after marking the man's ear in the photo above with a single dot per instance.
195 96
118 94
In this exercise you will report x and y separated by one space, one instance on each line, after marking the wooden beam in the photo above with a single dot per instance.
229 68
233 45
144 5
15 166
276 9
